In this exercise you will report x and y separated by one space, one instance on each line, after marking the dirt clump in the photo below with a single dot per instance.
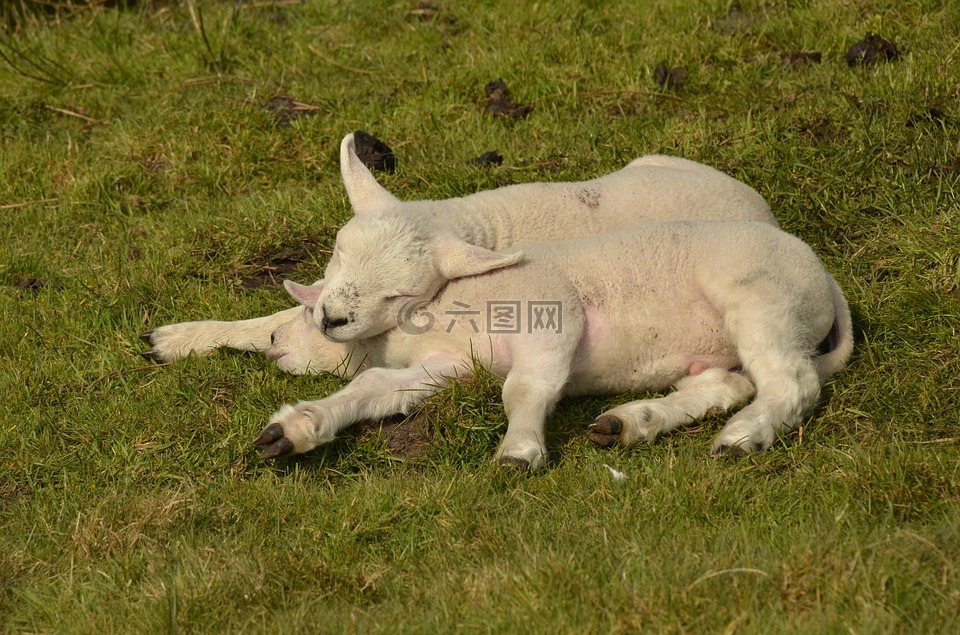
271 270
285 109
489 158
406 437
797 59
374 153
870 50
501 104
670 77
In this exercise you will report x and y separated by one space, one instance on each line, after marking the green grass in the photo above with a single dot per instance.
142 181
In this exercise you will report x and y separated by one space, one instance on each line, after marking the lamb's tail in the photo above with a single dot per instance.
838 346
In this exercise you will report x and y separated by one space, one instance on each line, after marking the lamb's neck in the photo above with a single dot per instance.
479 219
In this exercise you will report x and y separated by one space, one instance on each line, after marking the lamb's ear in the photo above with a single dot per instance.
366 195
458 259
307 296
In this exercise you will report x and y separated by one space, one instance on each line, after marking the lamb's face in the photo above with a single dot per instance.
380 264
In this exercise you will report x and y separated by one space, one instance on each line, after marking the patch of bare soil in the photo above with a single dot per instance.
406 437
735 21
489 158
797 59
285 109
870 50
374 153
670 77
930 115
29 283
501 104
271 270
819 129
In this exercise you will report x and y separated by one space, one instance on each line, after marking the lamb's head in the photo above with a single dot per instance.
380 265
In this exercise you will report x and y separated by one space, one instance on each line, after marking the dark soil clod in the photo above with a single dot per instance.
931 115
271 270
285 109
870 50
500 104
31 284
668 77
820 129
797 59
374 154
424 10
407 438
489 158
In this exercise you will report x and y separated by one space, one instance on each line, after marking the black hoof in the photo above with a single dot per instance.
283 447
271 433
147 337
602 440
520 465
728 452
152 356
605 431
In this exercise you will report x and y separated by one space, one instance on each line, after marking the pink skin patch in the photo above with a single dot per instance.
500 352
594 327
697 367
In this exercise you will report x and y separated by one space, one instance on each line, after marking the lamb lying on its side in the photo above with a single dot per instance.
651 188
720 311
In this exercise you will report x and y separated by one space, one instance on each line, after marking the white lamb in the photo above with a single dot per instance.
651 188
721 311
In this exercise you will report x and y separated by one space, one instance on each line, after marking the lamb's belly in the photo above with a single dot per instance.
618 354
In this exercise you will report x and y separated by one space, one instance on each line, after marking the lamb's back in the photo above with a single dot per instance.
651 189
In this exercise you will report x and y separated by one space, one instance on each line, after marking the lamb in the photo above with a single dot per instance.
720 311
651 188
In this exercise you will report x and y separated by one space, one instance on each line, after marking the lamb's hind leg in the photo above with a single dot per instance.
694 396
787 386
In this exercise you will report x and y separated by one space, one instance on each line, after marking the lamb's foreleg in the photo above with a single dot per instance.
373 394
530 392
176 341
693 398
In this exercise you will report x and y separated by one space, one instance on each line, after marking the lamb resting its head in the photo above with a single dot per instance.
382 264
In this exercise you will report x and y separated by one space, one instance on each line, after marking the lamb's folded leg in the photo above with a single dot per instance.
531 389
373 394
778 356
787 385
176 341
694 397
